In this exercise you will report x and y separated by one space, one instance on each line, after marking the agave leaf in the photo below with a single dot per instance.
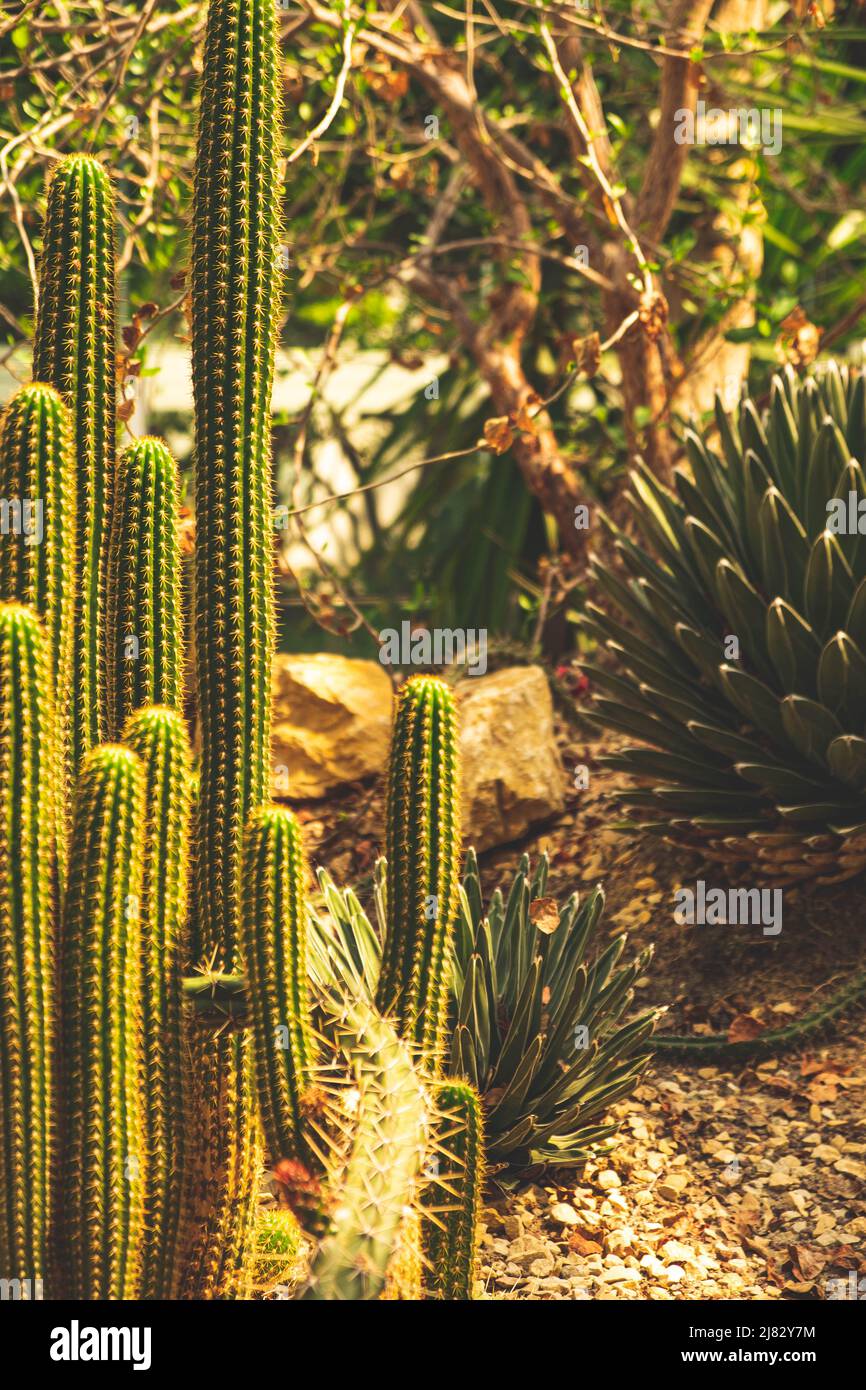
784 547
842 680
811 727
793 649
782 781
507 1107
650 762
724 742
855 618
523 1024
755 701
828 586
829 456
846 759
855 432
746 612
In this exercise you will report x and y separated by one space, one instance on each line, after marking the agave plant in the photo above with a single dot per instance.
536 1013
740 638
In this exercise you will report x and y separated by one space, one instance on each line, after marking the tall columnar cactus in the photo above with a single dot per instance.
453 1198
235 309
37 552
145 622
28 883
102 1172
274 926
74 351
158 736
374 1181
235 312
423 838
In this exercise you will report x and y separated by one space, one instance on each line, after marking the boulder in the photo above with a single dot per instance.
512 773
331 722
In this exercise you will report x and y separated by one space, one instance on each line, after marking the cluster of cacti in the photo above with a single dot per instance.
536 1010
741 649
129 1133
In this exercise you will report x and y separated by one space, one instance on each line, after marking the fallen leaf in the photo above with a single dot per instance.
544 914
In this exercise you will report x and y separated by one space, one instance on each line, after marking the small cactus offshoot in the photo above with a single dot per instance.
274 927
423 838
145 624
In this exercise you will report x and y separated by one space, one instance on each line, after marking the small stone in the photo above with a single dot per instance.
621 1274
565 1214
672 1186
608 1180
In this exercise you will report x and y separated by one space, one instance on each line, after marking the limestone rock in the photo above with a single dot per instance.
512 774
331 722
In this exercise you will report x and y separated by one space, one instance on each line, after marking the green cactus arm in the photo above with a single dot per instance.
145 621
453 1198
74 351
235 315
423 839
274 927
158 736
28 900
375 1181
37 558
103 1162
235 312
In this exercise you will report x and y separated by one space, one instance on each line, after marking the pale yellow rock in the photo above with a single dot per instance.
331 722
512 774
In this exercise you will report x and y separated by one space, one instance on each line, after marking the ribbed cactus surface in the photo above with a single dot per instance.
235 308
158 736
74 351
235 312
274 926
453 1198
37 544
145 619
102 1171
374 1181
28 881
423 839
